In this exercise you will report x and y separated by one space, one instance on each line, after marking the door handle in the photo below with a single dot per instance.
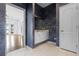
62 30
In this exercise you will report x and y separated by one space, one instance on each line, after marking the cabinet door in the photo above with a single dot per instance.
68 32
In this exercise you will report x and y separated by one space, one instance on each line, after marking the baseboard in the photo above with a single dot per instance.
67 50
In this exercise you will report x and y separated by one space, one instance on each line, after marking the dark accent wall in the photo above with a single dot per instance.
39 11
2 29
49 22
39 20
30 40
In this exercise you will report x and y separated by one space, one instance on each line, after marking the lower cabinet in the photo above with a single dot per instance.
41 36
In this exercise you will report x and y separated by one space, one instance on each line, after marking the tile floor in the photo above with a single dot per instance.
46 49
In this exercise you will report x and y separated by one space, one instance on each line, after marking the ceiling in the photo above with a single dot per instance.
43 4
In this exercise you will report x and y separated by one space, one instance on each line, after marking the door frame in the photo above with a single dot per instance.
13 5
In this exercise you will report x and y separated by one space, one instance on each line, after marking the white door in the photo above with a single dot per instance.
68 27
